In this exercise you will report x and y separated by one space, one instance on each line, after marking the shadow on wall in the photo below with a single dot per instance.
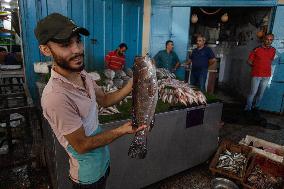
239 71
238 74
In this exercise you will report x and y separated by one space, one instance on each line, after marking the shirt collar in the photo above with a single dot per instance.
56 75
266 47
167 51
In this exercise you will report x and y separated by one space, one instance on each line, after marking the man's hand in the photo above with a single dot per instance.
128 129
212 61
83 144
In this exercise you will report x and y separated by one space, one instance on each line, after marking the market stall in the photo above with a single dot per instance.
174 145
182 119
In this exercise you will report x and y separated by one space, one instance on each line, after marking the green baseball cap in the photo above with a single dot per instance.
57 28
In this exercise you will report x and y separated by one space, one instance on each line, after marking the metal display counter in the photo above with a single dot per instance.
181 139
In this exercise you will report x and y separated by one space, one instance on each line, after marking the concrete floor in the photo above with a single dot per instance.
236 126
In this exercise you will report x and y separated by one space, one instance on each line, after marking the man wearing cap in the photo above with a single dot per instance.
69 102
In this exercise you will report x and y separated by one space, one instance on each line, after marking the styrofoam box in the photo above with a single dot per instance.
263 143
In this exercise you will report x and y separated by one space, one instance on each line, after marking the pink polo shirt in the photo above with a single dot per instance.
67 107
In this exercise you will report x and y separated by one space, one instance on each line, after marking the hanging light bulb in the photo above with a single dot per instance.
225 17
194 18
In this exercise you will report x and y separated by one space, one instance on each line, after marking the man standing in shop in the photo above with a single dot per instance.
115 60
260 60
167 58
69 102
200 58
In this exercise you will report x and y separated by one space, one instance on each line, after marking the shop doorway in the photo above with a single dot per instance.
231 32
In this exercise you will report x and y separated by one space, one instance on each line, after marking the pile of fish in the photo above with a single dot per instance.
117 78
232 161
95 76
163 73
144 99
111 109
260 180
174 91
114 81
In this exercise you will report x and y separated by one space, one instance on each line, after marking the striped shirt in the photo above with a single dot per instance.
113 61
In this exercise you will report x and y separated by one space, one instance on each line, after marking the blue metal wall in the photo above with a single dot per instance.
110 22
170 22
273 99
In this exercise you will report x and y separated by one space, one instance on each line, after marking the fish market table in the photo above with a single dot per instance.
180 139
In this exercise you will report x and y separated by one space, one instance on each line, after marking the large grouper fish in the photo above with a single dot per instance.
144 98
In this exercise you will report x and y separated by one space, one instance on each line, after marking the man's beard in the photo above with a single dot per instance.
64 64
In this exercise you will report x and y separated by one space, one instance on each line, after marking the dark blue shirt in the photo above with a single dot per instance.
166 60
200 58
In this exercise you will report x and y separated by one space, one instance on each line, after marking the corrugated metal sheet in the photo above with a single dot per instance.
110 22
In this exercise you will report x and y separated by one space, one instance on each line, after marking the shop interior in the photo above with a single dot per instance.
231 33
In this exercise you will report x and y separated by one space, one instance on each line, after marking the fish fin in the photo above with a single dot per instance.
138 147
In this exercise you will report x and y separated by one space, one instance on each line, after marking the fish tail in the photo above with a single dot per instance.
138 147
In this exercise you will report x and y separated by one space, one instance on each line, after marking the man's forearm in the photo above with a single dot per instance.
102 139
117 96
212 61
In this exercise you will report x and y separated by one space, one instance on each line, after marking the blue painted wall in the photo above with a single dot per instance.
110 22
215 3
170 23
273 99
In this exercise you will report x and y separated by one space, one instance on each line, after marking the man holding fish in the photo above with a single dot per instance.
69 102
